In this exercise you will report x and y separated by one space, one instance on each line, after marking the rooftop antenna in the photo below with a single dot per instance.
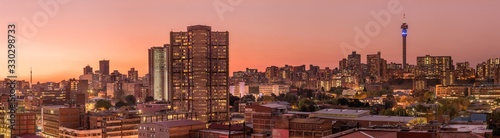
404 18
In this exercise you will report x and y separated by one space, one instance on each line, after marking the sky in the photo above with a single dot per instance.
58 38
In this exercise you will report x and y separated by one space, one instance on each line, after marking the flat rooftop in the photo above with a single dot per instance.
178 123
276 106
223 132
308 120
404 119
342 111
469 128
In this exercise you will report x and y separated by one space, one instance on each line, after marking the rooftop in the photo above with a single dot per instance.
299 113
178 123
223 132
308 120
342 111
404 119
469 128
274 105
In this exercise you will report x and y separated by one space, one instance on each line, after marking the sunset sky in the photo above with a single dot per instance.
262 33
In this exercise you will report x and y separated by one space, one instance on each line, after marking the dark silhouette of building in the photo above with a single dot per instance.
133 75
104 67
87 70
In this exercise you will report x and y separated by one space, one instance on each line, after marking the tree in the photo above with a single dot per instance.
332 101
452 107
400 111
336 90
291 98
389 103
131 100
496 131
120 104
362 95
248 98
307 105
102 104
275 97
494 121
428 97
233 100
268 99
149 99
343 101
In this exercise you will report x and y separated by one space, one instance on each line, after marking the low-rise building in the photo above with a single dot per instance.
167 116
55 116
209 133
373 100
276 89
262 117
483 93
79 133
224 131
121 127
310 127
451 91
364 118
24 123
170 129
152 108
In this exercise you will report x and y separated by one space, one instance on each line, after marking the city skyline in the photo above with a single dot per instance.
256 35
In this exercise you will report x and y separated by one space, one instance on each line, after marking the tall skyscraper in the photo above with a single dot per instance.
87 70
404 33
377 66
352 65
158 71
200 72
104 67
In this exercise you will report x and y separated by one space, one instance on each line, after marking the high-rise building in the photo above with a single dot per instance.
463 71
497 76
481 71
377 67
133 75
199 72
104 67
272 73
77 92
486 70
116 76
158 71
352 65
404 33
433 67
87 70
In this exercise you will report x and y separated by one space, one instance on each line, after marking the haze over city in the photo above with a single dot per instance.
261 33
